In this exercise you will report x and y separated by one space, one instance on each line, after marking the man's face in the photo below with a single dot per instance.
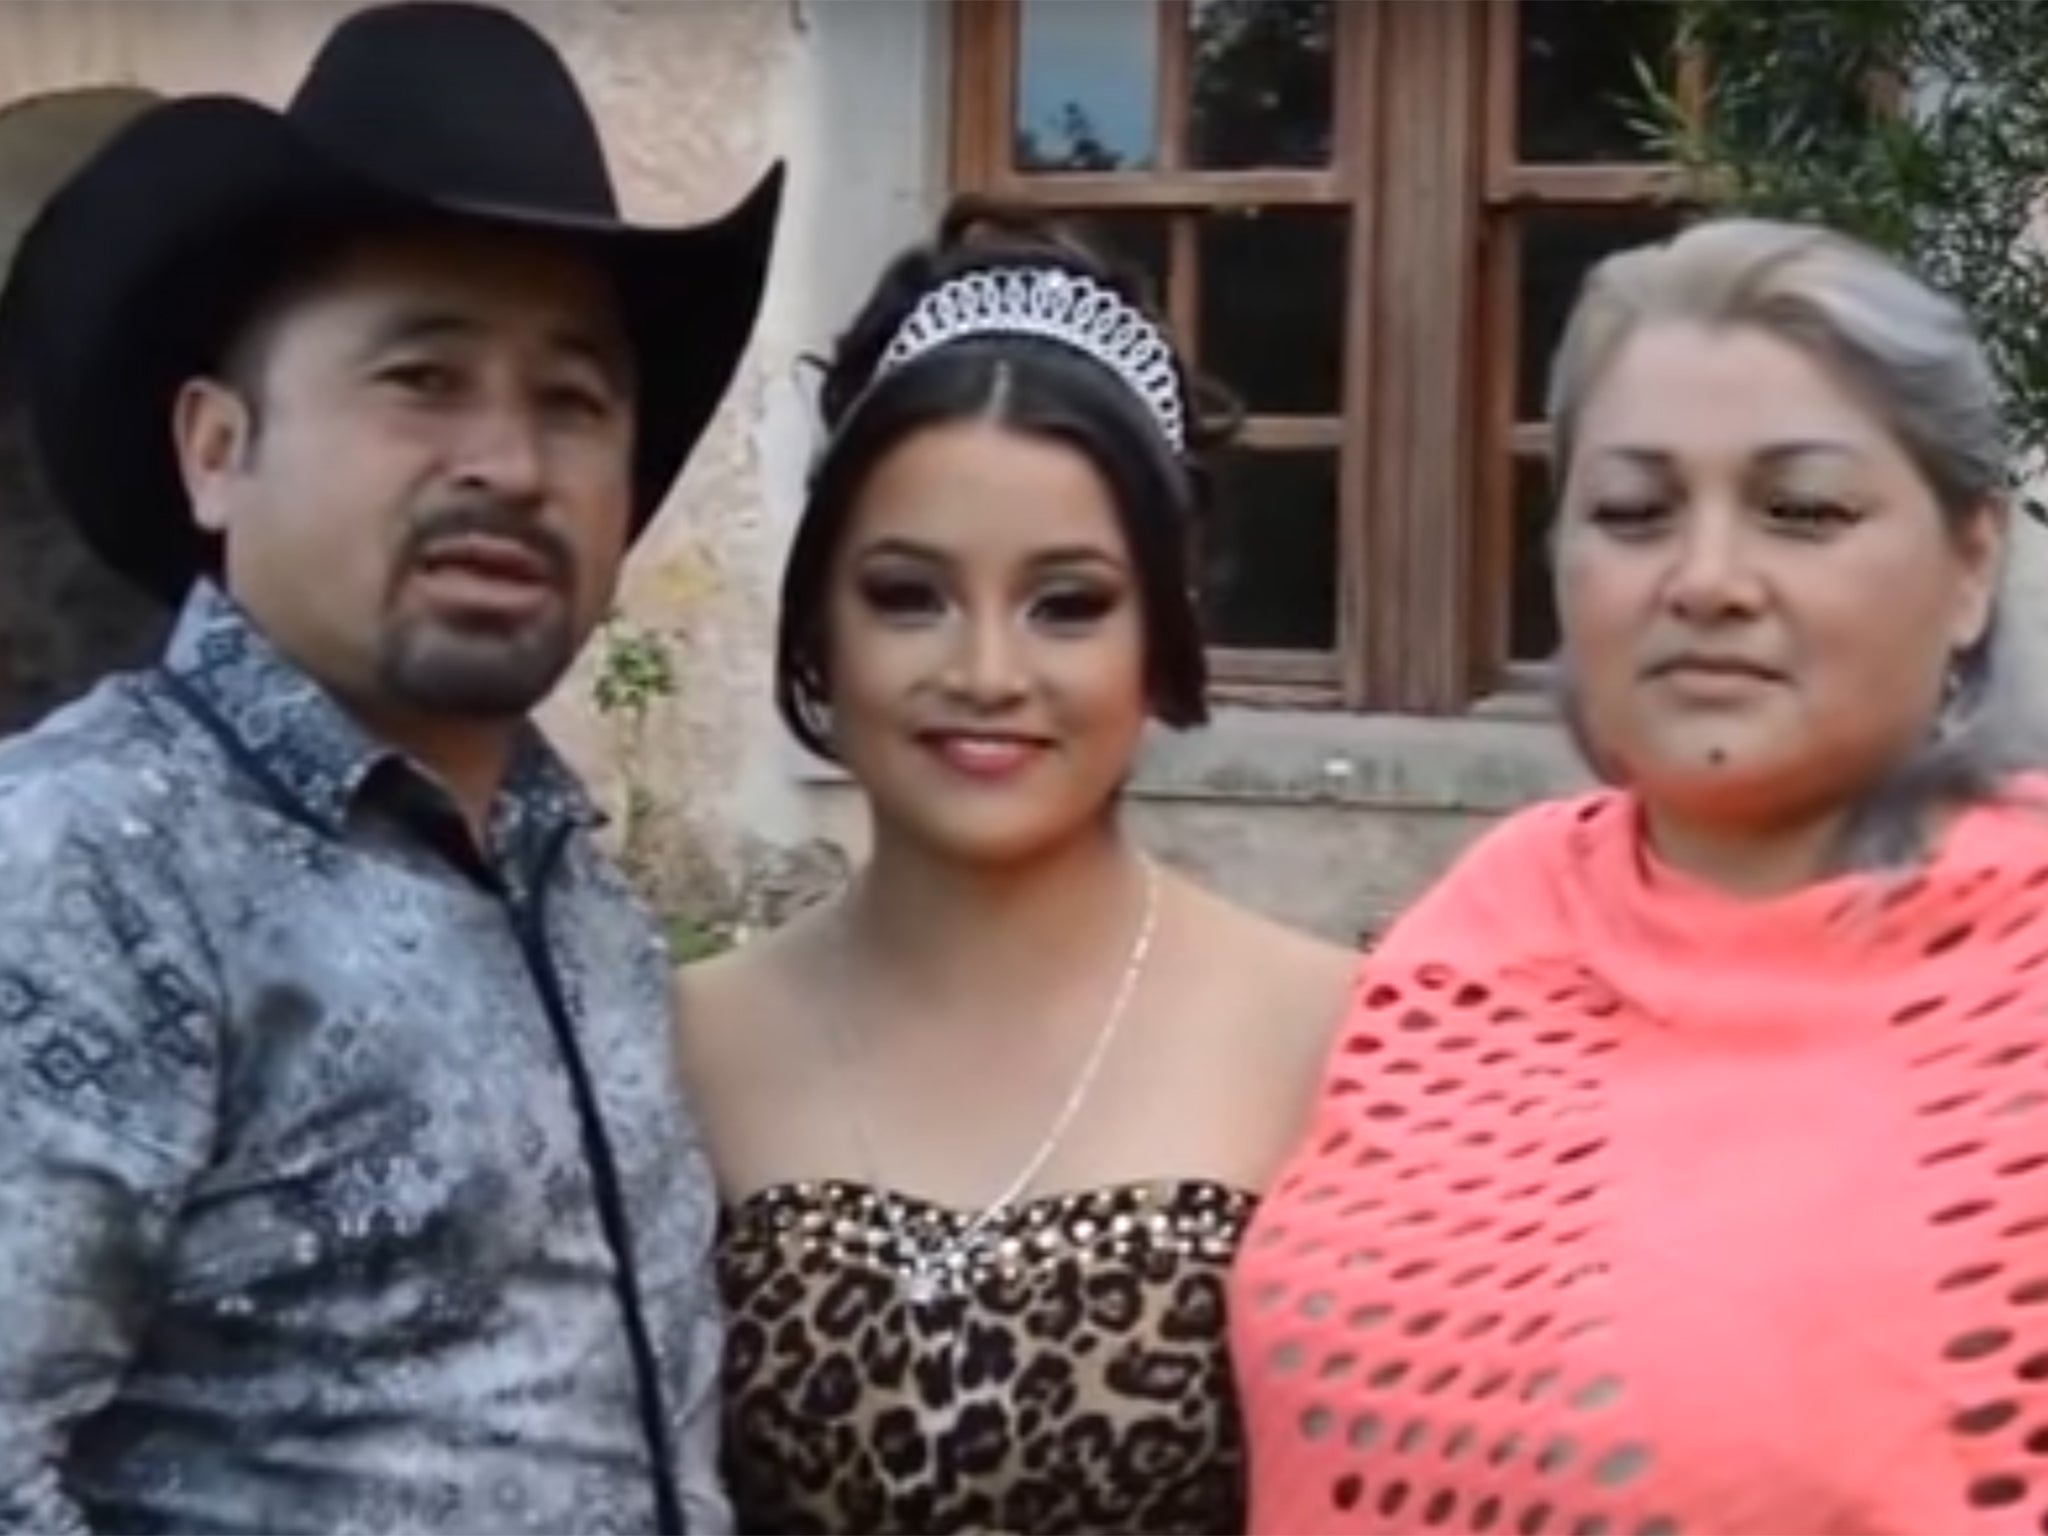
424 475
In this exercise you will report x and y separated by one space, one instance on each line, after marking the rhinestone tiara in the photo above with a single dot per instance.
1054 305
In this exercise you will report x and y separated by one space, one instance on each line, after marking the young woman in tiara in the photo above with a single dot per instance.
989 1125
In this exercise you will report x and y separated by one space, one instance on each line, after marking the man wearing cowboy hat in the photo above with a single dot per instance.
343 1182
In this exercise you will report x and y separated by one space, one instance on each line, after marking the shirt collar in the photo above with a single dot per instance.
302 737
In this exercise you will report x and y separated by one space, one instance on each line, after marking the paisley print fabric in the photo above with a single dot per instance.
301 1228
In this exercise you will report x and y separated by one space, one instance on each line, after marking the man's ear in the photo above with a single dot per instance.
213 431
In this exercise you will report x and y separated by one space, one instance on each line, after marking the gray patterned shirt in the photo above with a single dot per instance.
299 1230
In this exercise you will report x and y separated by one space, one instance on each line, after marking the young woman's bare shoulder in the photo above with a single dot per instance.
735 1008
1300 982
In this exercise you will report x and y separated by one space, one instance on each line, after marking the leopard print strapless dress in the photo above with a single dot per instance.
1076 1379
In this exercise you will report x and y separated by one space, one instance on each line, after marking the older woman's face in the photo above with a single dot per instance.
1760 596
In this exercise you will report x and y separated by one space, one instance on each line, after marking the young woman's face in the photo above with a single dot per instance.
986 644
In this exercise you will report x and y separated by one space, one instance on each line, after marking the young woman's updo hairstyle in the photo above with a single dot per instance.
1026 383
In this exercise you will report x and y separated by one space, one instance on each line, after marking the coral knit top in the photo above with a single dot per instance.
1631 1209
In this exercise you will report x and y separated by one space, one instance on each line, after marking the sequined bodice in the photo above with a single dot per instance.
1076 1378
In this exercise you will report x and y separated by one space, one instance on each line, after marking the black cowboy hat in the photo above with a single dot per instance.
136 271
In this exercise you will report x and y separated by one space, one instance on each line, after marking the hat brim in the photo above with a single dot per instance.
123 284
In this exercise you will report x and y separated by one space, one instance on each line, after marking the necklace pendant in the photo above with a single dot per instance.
922 1287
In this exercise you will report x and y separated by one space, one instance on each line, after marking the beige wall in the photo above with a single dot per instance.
1329 821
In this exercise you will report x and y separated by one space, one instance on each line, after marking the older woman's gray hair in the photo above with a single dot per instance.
1911 356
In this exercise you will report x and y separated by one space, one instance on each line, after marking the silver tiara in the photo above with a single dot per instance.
1059 306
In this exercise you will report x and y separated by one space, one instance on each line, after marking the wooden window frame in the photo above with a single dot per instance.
1424 163
1515 188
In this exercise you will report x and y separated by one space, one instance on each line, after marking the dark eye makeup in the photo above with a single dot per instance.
900 594
1063 604
1074 605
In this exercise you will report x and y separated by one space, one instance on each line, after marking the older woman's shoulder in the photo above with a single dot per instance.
2022 803
2009 829
1510 885
1530 843
1547 824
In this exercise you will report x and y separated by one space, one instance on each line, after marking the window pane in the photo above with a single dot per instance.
1269 566
1260 76
1558 249
1576 90
1139 240
1272 310
1532 612
1087 84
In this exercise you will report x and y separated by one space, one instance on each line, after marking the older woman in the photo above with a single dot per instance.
1683 1165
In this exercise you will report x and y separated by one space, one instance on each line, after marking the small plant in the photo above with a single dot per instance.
634 674
690 940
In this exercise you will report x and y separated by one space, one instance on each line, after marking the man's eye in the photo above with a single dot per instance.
421 378
577 400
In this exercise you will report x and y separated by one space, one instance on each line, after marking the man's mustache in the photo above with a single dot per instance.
491 520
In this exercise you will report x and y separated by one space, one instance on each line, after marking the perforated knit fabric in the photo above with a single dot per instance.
1629 1207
